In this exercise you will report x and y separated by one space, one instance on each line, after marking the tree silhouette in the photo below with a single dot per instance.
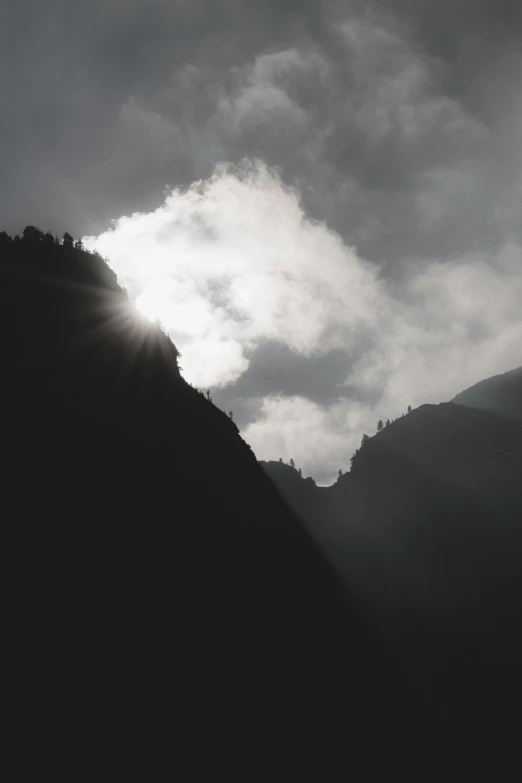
387 423
32 234
67 239
380 425
355 456
409 408
292 463
300 472
158 323
280 459
230 415
340 473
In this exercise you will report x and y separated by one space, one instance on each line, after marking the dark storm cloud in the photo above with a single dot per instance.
90 102
393 110
275 369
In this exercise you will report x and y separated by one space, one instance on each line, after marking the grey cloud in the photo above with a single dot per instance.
366 106
275 368
68 73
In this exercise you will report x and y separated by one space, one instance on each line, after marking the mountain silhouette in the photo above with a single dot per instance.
426 530
501 394
165 595
160 592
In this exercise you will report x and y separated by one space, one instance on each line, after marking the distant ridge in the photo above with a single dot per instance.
500 394
425 528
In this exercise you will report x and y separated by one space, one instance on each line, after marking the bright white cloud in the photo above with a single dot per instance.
320 439
233 261
456 324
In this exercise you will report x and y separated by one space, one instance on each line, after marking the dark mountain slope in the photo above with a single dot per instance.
160 592
501 394
427 530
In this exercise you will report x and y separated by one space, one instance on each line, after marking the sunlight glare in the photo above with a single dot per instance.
154 303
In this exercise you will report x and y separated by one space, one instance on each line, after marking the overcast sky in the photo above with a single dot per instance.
321 200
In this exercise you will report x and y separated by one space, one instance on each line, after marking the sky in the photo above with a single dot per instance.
320 200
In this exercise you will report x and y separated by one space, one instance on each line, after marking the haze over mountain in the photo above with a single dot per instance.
426 529
502 393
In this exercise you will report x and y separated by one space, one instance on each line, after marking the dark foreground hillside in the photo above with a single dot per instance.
427 530
162 602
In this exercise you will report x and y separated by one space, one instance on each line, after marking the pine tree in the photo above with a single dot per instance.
292 463
380 425
32 234
387 423
409 408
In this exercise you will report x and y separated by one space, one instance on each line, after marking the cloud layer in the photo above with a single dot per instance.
233 261
233 264
399 123
384 125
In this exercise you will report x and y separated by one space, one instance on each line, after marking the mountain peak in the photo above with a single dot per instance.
498 394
